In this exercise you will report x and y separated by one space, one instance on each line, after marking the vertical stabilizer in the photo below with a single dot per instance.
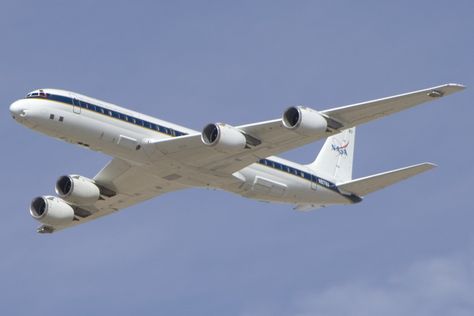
335 159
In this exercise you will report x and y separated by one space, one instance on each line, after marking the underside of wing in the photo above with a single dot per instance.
122 185
356 114
221 149
259 140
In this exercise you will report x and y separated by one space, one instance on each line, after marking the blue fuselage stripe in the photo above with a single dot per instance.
308 176
111 113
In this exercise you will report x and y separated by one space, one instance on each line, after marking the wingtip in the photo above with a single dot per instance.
430 165
457 85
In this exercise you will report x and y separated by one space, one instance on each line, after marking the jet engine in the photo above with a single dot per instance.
51 210
77 190
304 120
223 137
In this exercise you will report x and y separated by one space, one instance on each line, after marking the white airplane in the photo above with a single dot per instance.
153 157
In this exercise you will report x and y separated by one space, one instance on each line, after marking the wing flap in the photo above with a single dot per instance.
366 185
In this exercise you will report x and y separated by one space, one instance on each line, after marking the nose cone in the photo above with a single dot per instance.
16 108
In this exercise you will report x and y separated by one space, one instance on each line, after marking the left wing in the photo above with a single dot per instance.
189 150
130 185
356 114
272 137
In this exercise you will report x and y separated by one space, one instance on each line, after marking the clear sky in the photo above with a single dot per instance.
406 250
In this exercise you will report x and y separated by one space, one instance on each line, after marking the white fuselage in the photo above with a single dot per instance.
118 132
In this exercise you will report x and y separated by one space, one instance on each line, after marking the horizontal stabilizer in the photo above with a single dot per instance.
366 185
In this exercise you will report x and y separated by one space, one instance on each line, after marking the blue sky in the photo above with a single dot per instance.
406 250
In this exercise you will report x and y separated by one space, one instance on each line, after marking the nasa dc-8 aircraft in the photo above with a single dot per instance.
152 157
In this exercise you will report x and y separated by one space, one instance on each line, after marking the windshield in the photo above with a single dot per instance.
37 94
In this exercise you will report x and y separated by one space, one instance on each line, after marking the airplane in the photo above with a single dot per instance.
152 157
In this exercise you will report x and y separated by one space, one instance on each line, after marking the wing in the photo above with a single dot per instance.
272 137
128 184
356 114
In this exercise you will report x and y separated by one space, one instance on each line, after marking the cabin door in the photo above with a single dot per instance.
76 105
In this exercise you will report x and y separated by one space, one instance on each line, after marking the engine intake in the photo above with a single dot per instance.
304 120
77 190
51 210
223 137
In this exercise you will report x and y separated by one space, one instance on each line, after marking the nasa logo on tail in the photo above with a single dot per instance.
340 148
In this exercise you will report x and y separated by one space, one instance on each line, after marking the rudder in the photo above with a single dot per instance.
335 159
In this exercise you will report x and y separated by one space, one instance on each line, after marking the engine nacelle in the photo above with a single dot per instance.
304 120
51 210
77 190
223 137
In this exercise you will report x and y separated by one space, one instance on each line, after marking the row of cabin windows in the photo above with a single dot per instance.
98 109
292 170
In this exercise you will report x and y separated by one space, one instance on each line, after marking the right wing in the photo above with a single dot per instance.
128 185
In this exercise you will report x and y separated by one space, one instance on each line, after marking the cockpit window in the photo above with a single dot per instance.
37 94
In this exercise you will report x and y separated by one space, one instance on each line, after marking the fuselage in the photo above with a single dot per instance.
122 133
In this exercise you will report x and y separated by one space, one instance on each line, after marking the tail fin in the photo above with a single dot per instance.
335 159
